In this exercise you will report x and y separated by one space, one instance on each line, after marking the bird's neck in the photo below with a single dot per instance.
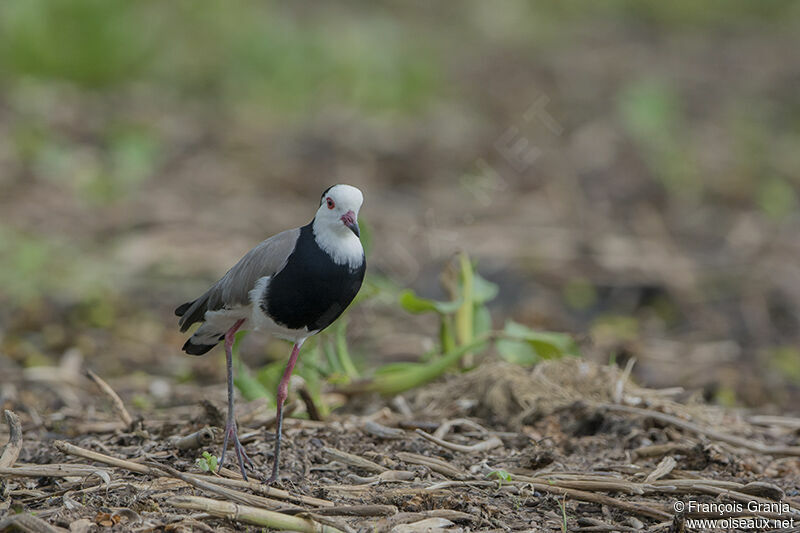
343 247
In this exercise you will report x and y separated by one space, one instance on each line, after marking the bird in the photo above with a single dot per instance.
292 286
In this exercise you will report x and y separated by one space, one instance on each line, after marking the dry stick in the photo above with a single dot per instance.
382 432
657 450
311 407
767 420
59 470
12 449
357 510
71 449
708 432
632 507
266 490
250 515
195 440
29 524
619 387
741 497
734 491
116 401
233 495
488 444
435 464
386 477
406 518
689 483
765 489
353 460
328 521
604 485
443 429
447 484
664 467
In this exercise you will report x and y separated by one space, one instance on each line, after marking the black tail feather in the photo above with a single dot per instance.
183 308
192 312
197 349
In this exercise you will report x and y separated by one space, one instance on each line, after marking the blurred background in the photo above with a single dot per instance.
625 171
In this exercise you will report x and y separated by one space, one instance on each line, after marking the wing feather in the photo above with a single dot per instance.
233 289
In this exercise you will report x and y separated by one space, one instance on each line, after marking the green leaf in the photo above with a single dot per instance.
250 387
482 320
526 346
500 475
342 351
517 352
464 316
391 368
483 290
207 462
446 336
482 325
413 303
405 376
270 375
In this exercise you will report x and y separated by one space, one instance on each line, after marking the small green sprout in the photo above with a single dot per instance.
207 463
502 476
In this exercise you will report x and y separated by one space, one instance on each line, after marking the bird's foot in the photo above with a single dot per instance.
241 455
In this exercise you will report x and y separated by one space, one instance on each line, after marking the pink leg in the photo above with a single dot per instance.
230 425
283 391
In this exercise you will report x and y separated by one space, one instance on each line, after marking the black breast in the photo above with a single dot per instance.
311 291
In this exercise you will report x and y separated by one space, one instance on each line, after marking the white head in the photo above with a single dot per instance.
336 224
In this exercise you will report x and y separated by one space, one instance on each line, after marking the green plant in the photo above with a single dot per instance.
207 462
465 329
502 476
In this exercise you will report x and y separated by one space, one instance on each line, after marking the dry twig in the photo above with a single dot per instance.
29 524
488 444
357 510
663 468
636 508
434 463
195 440
116 401
250 515
353 460
56 470
230 494
71 449
266 490
708 432
12 449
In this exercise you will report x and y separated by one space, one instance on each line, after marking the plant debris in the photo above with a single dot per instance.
510 449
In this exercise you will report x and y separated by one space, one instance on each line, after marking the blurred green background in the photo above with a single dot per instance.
627 171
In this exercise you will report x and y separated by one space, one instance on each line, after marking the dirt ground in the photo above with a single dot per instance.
566 446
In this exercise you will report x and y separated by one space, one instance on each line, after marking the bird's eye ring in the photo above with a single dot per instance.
330 203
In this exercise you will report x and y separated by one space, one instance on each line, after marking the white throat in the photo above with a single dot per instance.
341 245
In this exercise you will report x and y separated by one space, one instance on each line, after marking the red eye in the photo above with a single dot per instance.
331 205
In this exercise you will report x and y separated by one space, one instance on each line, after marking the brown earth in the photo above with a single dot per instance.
565 441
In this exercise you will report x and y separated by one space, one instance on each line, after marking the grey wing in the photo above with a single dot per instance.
266 259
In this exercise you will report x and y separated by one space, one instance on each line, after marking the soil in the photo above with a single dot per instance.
567 445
